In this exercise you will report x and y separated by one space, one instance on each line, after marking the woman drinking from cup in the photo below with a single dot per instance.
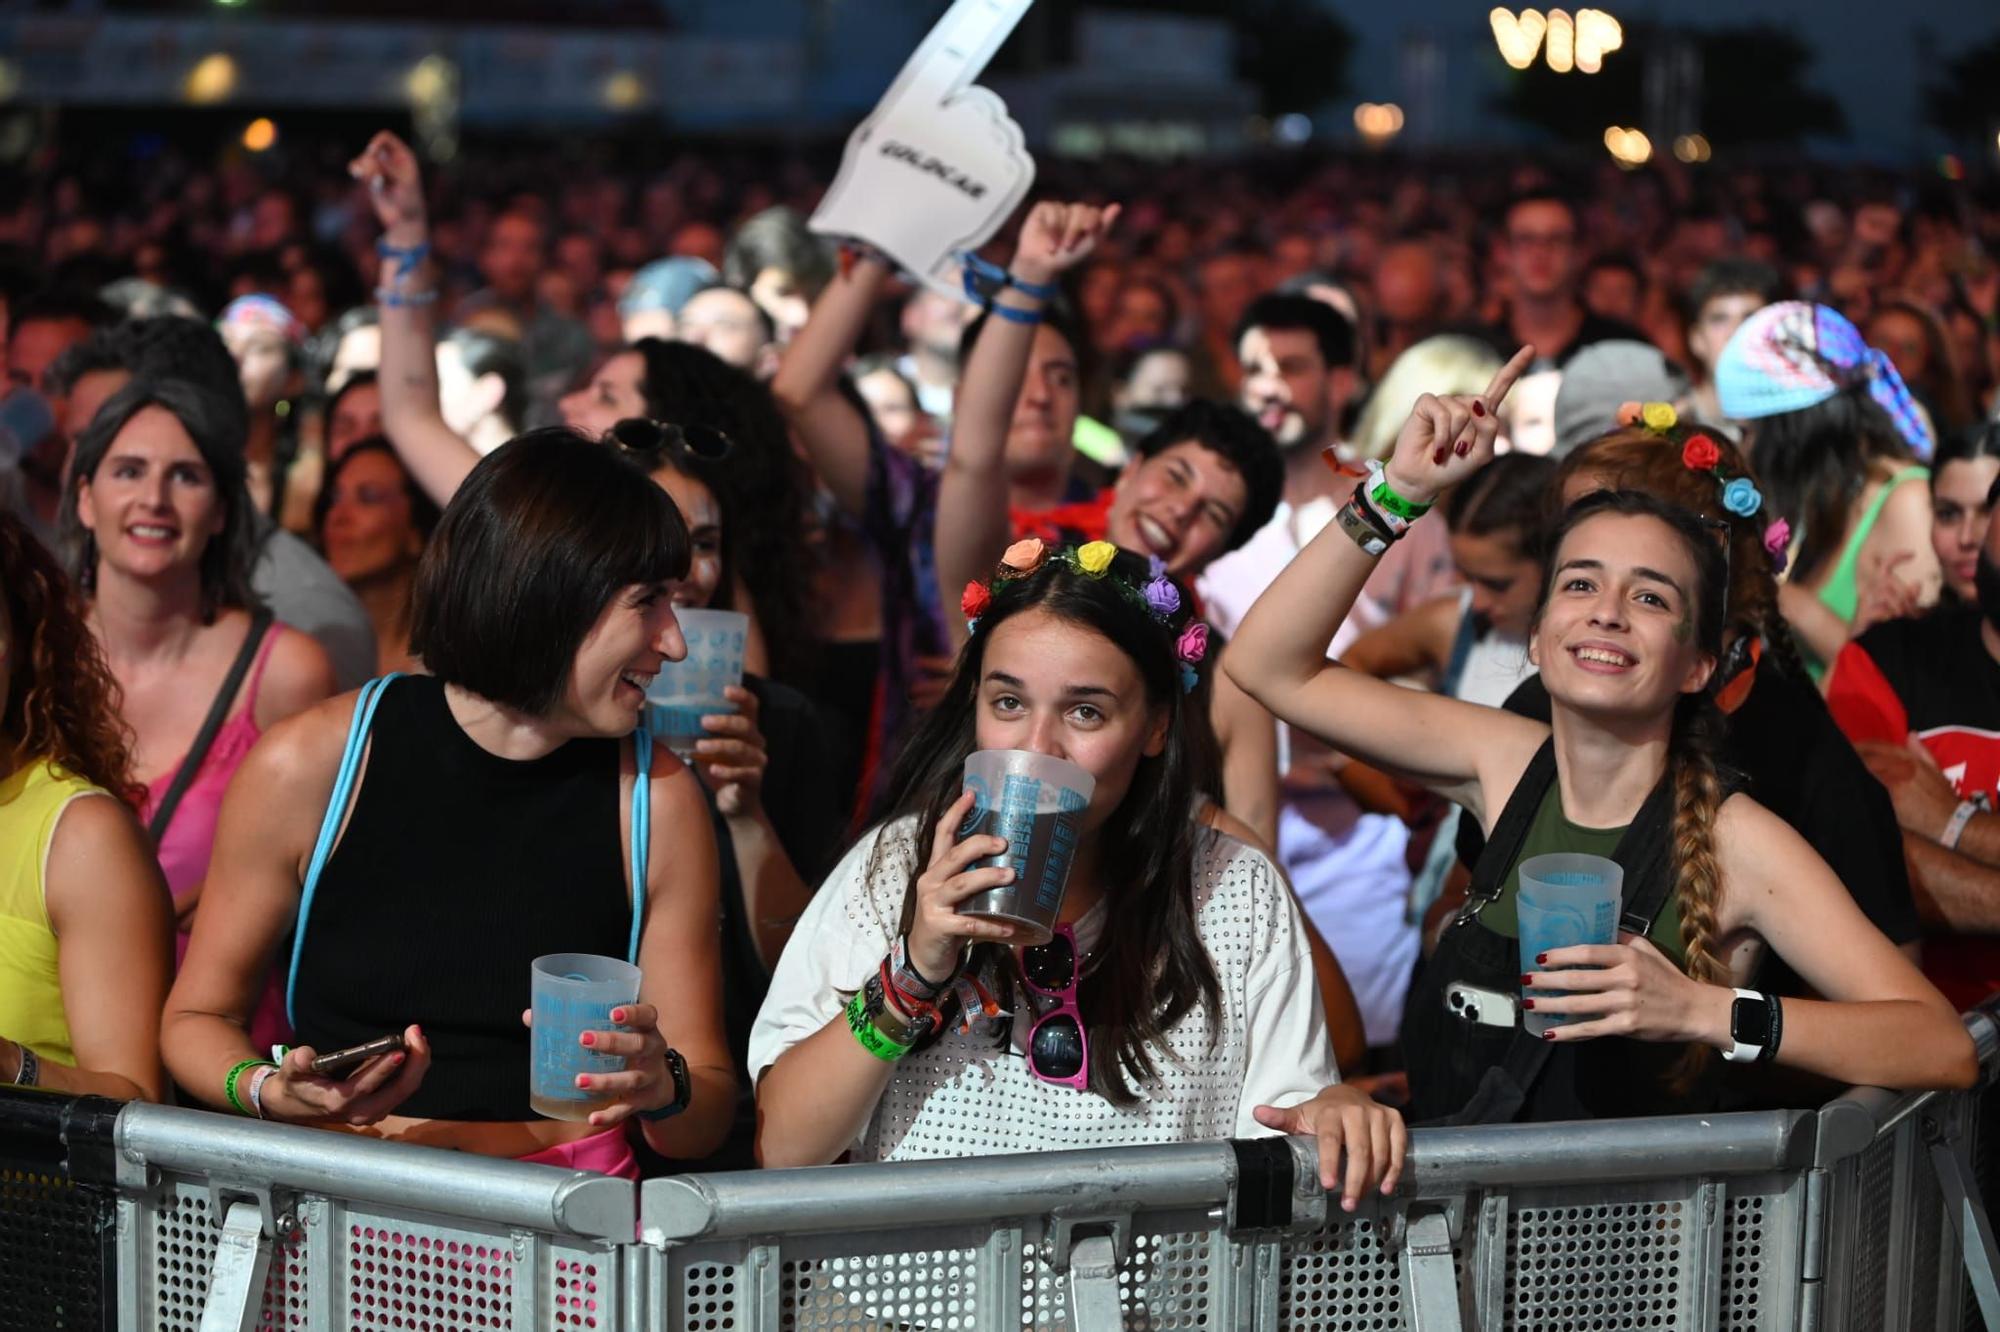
1166 994
426 842
1627 637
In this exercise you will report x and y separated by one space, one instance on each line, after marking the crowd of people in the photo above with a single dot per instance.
346 519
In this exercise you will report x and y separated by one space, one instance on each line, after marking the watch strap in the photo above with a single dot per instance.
1740 1052
683 1089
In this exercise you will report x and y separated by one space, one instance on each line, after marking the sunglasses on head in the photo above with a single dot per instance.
1058 1052
637 434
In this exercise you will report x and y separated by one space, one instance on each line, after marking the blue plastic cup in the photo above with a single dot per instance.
1037 804
574 993
686 691
1566 899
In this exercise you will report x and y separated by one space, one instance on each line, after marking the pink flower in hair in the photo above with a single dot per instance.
1193 645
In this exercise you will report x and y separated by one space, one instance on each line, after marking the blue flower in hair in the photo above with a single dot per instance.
1740 497
1190 677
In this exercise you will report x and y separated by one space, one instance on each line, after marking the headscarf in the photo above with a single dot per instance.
1794 355
262 311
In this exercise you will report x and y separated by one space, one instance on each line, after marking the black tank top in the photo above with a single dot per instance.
457 869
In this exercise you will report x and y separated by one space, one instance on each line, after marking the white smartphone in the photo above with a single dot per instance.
1489 1008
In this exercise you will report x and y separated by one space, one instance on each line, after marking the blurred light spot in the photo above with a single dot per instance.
212 79
260 134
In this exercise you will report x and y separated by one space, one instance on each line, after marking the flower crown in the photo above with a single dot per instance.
1156 594
1699 453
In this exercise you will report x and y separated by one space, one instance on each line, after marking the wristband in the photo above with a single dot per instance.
229 1083
872 1039
1014 314
257 1081
906 1021
1385 498
407 257
908 978
29 1071
1955 829
984 280
397 300
1364 526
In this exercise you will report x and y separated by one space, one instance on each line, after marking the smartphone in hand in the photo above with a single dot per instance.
343 1061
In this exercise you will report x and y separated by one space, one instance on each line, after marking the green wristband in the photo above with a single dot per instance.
229 1083
872 1038
1385 497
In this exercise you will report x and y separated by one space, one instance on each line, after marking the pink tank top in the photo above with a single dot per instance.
189 840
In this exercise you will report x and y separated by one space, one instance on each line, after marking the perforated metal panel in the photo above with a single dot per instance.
1740 1302
1341 1280
185 1231
52 1242
1872 1200
708 1298
410 1276
1165 1284
927 1288
1595 1266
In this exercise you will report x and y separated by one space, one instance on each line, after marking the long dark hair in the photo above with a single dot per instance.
1154 968
61 702
691 386
227 559
1697 731
1816 461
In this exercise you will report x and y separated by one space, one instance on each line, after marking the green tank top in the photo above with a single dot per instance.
1841 593
1551 831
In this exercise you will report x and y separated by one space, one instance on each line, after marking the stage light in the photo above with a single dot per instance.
1378 121
212 79
1692 148
260 134
1628 147
624 90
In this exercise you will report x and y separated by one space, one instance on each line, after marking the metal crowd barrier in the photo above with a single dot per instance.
1862 1215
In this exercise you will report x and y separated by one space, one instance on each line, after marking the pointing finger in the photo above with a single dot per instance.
1503 379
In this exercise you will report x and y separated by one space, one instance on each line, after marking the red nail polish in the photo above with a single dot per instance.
1527 1003
1549 1035
588 1038
617 1015
1438 457
1527 979
1541 959
1478 407
583 1080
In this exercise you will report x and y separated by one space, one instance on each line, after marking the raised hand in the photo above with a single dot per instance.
395 186
1449 438
1059 236
298 1095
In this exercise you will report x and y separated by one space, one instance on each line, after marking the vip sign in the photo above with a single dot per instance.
1579 43
938 165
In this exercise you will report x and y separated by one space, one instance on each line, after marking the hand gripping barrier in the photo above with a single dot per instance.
1862 1215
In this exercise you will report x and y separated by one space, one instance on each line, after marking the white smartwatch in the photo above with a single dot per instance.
1756 1023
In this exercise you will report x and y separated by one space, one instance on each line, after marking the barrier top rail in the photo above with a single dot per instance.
262 1155
1208 1175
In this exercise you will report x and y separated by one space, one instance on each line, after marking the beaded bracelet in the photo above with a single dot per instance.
872 1038
229 1083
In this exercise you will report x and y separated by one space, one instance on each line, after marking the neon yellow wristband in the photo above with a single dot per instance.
872 1038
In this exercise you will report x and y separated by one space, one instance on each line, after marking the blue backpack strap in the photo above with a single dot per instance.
642 831
336 810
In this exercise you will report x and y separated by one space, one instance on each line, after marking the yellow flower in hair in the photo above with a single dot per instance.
1660 416
1095 558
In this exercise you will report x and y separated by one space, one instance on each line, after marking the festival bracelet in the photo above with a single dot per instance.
257 1081
407 257
1364 526
398 300
908 978
871 1037
1014 314
1955 829
1384 496
229 1083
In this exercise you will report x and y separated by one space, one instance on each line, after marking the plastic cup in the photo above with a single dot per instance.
1036 803
574 993
686 691
1566 899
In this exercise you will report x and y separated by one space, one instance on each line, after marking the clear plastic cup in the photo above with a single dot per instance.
686 691
1036 803
574 993
1566 899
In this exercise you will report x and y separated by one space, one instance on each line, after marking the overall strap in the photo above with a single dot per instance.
218 712
1510 830
329 828
1648 860
642 830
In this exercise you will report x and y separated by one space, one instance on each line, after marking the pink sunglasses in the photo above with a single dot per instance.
1058 1052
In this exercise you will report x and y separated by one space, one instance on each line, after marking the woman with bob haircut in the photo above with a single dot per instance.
1628 635
419 844
1176 1001
85 921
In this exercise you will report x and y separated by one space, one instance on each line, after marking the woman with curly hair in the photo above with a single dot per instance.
86 926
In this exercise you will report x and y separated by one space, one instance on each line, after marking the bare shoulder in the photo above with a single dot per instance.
101 865
298 674
301 750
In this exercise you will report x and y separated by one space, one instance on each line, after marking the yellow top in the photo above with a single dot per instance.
32 800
